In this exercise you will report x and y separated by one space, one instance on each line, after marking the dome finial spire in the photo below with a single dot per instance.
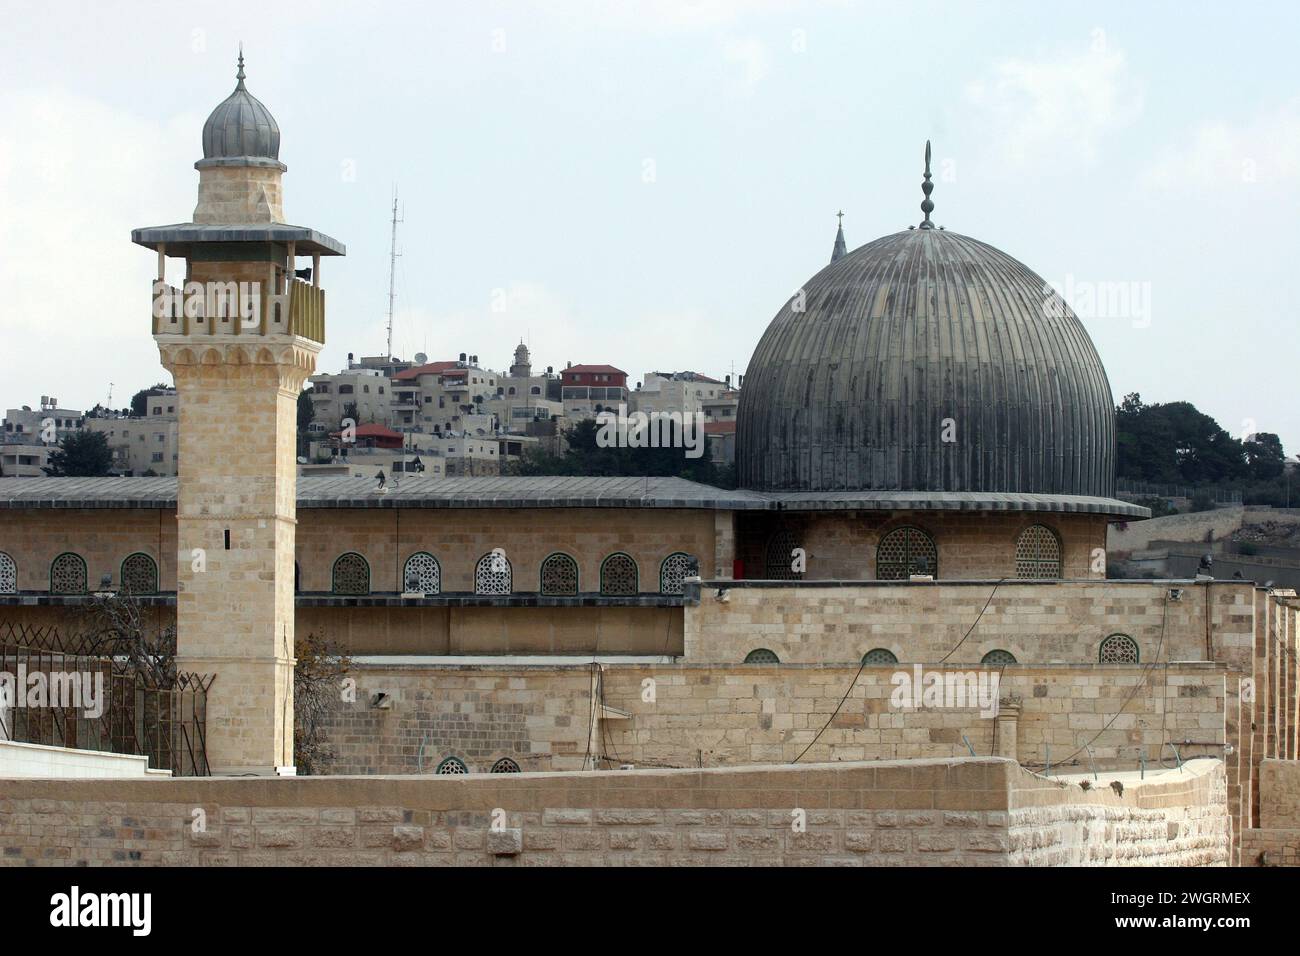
840 247
240 74
927 187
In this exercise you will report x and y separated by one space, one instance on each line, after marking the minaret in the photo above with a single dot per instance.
523 366
840 247
240 337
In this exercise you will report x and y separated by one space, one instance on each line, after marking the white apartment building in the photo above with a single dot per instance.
30 435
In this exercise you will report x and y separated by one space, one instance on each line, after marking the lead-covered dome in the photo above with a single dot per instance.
241 128
852 386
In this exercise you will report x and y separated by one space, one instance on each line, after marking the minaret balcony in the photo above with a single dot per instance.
239 308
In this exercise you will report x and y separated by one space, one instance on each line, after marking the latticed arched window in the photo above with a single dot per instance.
673 572
904 552
559 575
492 574
761 655
505 765
1118 649
8 575
452 765
139 574
778 562
351 574
422 574
68 574
1038 553
879 655
998 658
618 575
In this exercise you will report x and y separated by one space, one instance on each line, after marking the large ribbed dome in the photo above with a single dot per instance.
241 127
849 389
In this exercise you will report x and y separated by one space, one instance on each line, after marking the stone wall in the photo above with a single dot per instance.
1275 841
386 538
1065 622
841 545
1175 818
1279 782
687 715
969 812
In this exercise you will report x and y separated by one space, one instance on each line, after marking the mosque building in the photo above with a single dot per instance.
926 459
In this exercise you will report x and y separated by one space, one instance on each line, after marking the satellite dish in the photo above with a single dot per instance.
421 358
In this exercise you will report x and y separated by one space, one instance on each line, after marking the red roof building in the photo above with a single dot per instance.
601 375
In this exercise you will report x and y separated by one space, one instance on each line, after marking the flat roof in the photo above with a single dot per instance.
412 491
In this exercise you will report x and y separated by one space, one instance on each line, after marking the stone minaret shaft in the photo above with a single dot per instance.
240 336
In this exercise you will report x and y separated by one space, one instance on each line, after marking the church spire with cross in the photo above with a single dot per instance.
841 247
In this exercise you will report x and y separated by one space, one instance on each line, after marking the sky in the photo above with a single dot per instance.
645 184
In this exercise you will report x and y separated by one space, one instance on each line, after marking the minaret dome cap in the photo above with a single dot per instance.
241 131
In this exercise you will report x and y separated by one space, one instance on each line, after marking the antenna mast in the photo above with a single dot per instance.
392 275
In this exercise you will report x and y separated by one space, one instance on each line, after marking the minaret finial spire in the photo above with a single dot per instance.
240 74
927 187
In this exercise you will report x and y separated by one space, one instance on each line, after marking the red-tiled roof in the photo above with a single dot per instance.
595 368
719 428
431 368
372 430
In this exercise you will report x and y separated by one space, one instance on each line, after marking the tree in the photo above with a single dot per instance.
306 411
351 411
140 399
317 678
1264 456
585 456
81 454
1174 442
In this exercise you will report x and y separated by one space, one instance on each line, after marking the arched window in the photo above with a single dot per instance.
559 575
761 655
505 765
452 765
904 552
673 572
879 655
1038 553
139 574
492 574
423 574
68 574
779 560
8 575
1118 649
351 574
998 658
618 574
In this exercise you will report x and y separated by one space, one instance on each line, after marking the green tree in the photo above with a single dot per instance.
1174 442
81 454
306 411
585 456
1264 456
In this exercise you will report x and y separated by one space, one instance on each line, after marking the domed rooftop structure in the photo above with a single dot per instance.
241 130
926 361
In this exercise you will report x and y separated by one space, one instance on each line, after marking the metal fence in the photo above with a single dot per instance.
60 691
1221 496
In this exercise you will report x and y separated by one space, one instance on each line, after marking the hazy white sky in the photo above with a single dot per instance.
645 183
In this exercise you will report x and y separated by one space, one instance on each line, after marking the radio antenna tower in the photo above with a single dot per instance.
392 275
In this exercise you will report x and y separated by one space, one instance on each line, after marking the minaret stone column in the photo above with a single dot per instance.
240 337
